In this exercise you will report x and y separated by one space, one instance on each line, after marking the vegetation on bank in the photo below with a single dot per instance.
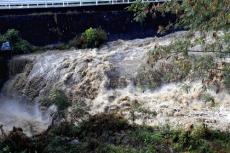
18 45
191 14
108 133
90 38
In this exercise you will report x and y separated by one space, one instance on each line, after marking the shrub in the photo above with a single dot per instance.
19 45
199 132
91 38
183 139
59 98
58 144
139 10
64 129
106 133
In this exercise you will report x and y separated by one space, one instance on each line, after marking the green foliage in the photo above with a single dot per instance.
139 8
107 133
91 38
199 132
148 136
194 140
19 45
59 98
60 145
107 122
183 140
65 129
205 14
192 14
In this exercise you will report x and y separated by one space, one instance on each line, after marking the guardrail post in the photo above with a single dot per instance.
80 2
96 2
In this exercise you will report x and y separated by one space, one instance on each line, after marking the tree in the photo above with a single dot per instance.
192 14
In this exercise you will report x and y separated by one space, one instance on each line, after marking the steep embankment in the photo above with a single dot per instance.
115 79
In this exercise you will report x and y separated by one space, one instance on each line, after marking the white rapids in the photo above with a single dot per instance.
103 80
15 112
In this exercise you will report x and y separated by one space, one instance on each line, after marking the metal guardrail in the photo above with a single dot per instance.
23 4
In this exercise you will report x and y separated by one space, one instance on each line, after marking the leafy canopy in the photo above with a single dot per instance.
192 14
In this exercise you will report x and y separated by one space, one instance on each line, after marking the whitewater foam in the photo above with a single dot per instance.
16 112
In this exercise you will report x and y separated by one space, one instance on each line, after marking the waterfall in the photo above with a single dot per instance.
16 112
15 109
106 80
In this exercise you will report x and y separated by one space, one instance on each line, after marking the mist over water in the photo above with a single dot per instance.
17 112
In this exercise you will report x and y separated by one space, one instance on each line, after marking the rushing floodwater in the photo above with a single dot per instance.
103 79
16 112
